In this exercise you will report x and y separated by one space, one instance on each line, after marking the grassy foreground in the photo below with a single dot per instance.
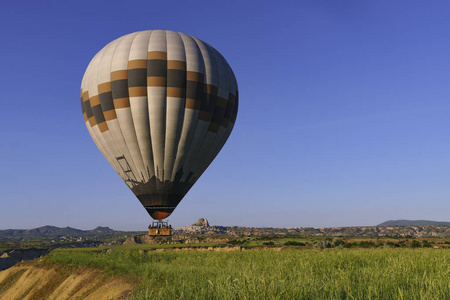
269 274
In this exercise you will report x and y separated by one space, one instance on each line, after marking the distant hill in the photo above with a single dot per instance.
414 228
412 223
53 232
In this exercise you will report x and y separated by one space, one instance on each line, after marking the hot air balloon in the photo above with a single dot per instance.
159 105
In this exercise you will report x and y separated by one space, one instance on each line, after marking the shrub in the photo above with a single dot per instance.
338 242
294 243
236 242
323 244
379 244
415 244
367 244
270 243
264 237
350 245
390 244
426 244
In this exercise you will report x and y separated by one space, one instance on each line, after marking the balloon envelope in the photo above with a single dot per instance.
159 105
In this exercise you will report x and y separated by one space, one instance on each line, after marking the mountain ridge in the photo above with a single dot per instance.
403 222
50 232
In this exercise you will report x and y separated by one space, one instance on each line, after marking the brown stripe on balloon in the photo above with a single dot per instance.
193 103
176 92
92 121
121 103
157 55
119 75
176 64
85 117
110 115
195 76
95 100
104 87
211 89
137 64
156 81
103 127
138 91
86 96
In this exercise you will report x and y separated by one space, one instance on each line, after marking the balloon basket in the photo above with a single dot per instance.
159 228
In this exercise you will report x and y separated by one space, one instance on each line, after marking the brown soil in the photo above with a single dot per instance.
57 282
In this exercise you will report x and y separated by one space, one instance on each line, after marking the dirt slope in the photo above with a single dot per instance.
33 281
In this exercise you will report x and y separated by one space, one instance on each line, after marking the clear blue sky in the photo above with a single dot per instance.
343 120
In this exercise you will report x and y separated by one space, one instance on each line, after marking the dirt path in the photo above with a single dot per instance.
57 282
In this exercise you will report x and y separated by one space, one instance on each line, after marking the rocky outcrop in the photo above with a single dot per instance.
201 227
201 222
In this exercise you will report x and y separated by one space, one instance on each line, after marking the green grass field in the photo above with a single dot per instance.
269 274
